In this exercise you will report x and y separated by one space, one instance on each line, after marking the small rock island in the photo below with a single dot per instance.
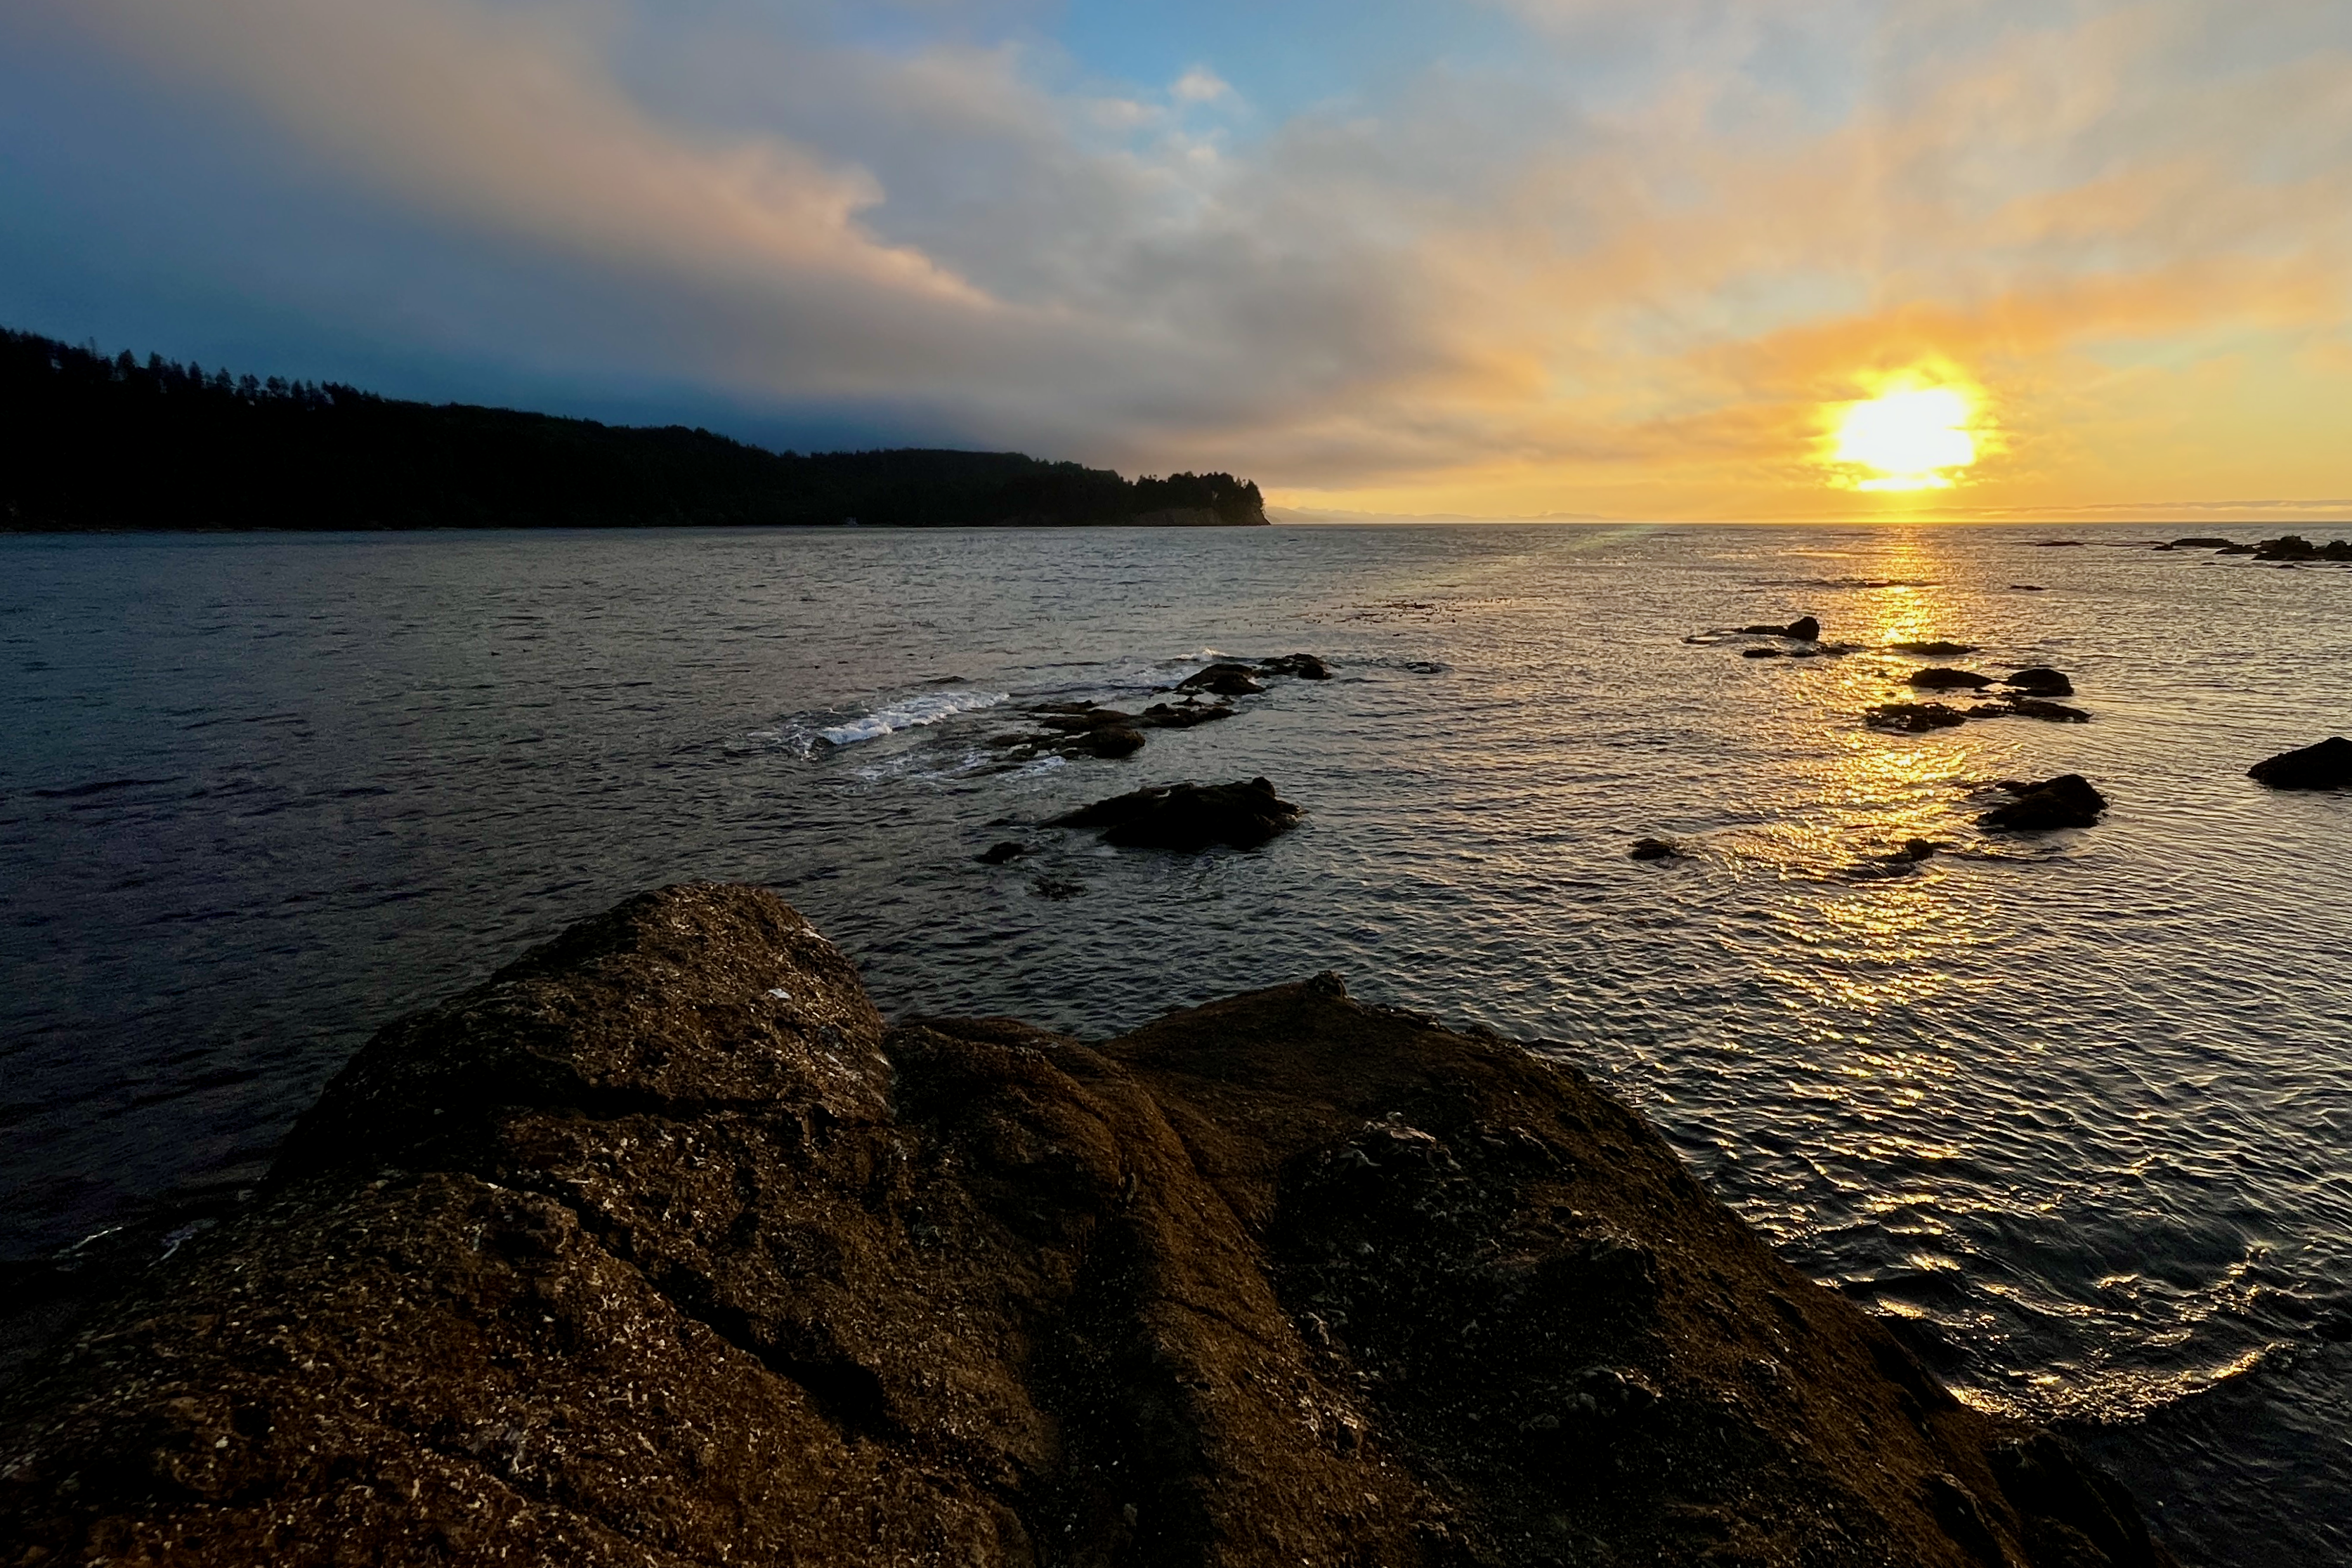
662 1247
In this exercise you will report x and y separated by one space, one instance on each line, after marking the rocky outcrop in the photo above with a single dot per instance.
1936 648
2066 801
2295 547
2328 765
659 1249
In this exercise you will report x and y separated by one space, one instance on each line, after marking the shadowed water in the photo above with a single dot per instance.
2076 1110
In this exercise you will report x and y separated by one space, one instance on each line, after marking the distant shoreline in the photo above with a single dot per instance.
113 445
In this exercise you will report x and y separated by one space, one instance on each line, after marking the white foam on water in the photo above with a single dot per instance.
908 713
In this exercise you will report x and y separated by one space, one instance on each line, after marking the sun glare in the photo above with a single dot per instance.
1911 439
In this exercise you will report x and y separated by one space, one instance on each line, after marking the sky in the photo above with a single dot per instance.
1568 259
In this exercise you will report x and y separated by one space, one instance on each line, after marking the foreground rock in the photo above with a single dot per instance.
658 1249
2328 765
1187 816
2066 801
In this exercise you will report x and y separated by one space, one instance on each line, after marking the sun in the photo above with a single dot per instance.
1908 438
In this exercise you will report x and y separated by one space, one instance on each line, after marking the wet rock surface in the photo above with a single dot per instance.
658 1248
1655 849
1933 648
2067 801
1187 816
2328 765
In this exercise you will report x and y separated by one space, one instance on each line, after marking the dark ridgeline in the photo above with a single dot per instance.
95 443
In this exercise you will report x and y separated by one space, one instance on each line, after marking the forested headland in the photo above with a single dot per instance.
94 443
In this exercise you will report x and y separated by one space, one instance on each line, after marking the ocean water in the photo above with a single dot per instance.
2073 1111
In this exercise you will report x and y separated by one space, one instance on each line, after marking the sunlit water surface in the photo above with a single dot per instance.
2075 1112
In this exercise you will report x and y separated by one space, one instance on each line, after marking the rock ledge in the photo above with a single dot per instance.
659 1249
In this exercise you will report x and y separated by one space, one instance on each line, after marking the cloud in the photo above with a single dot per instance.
1623 271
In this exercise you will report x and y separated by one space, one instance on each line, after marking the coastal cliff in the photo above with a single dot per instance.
661 1247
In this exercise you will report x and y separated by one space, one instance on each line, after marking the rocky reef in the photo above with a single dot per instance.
659 1247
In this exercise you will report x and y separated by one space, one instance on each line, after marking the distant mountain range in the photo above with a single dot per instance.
92 443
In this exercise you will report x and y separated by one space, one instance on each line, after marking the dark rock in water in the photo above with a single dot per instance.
1763 653
2039 680
1304 665
1804 629
2067 801
1917 850
2053 712
997 854
1080 718
1655 849
1188 816
1113 741
2328 765
1933 649
1184 715
1940 680
2238 549
659 1249
2200 544
1086 729
1222 680
2057 544
1913 717
2029 587
1057 889
2295 547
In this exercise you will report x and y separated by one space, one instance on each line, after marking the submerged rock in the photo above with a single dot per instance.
2039 680
1188 816
2328 765
1937 649
660 1248
997 854
1655 849
1940 680
1056 887
1917 718
1763 653
2066 801
2200 544
1304 665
